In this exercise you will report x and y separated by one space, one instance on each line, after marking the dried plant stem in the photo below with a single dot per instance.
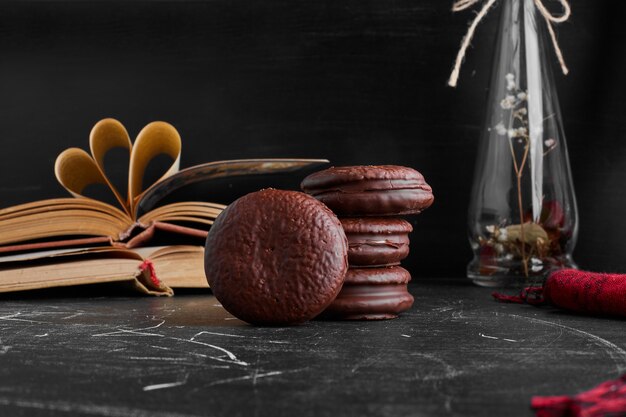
550 149
517 170
518 174
521 209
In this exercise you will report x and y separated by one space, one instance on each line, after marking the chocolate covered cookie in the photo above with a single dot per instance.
376 241
276 257
372 294
384 190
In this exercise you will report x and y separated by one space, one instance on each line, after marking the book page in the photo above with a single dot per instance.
72 252
75 169
194 211
56 204
81 271
61 217
219 169
180 266
97 265
154 139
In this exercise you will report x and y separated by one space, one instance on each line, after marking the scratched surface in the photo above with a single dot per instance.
455 353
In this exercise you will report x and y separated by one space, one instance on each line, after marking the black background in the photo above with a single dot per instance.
354 81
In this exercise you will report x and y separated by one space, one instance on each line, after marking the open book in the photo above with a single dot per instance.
177 266
87 224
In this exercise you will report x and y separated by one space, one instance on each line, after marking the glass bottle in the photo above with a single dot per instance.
522 217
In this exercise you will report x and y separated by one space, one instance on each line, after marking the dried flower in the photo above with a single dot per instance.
510 81
508 102
500 129
528 241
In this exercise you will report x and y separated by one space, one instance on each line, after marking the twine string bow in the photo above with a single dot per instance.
461 5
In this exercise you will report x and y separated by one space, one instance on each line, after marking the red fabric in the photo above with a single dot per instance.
529 295
606 400
587 292
579 291
147 264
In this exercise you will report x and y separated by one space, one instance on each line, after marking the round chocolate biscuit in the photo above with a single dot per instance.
383 190
276 257
372 294
376 241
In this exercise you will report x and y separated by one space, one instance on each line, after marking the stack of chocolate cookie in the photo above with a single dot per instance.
368 201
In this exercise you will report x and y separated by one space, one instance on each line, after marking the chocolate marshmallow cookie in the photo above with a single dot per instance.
276 257
376 241
383 190
372 294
